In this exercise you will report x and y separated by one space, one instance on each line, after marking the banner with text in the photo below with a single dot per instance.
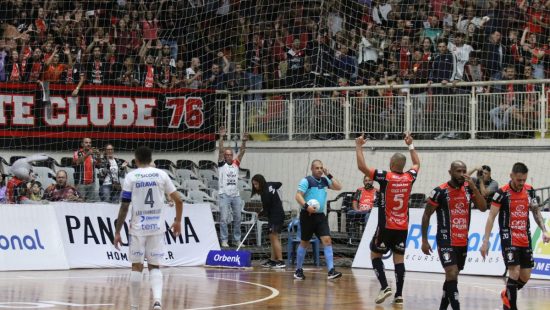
87 231
415 260
51 118
29 239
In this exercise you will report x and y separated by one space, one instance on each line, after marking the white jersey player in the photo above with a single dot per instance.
145 189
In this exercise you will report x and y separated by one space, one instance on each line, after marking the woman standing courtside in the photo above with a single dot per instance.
273 209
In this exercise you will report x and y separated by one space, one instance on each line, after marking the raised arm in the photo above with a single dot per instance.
479 199
221 149
242 150
488 227
414 154
361 165
336 185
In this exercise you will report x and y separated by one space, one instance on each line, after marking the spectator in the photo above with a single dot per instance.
34 67
35 191
12 68
215 78
444 71
3 194
229 195
493 55
238 81
54 69
322 61
61 191
500 115
96 66
193 74
419 75
148 69
150 25
533 53
474 71
295 63
129 76
364 199
368 46
256 64
344 65
463 23
486 185
111 172
85 160
165 74
462 53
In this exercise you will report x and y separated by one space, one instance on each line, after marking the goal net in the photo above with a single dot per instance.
169 74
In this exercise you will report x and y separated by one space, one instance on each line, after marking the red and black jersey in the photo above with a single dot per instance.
366 198
513 217
16 190
395 189
85 172
453 214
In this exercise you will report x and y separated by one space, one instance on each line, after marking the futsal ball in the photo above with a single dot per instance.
314 203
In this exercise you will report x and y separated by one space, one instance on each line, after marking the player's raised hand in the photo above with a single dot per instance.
469 180
176 228
360 141
408 138
426 247
484 249
117 241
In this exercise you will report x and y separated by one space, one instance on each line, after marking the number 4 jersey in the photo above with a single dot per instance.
146 188
395 189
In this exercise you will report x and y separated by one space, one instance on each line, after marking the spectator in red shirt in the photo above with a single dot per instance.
85 160
34 67
54 69
61 191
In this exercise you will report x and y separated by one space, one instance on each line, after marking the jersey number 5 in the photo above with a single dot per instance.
399 199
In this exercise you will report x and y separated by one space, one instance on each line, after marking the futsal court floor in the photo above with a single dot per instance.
210 288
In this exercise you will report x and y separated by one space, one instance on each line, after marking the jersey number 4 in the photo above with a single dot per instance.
190 108
149 198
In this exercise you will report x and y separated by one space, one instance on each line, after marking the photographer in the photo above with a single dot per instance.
111 173
486 185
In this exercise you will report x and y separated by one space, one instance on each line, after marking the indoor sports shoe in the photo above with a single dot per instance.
157 306
398 301
225 244
299 274
385 293
268 264
505 300
333 274
279 265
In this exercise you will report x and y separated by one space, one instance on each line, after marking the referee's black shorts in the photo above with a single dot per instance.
315 223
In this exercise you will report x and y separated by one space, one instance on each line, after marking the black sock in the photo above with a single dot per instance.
399 279
378 266
444 299
512 292
452 294
521 284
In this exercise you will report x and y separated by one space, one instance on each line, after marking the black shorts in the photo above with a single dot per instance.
389 239
275 227
514 255
454 255
315 223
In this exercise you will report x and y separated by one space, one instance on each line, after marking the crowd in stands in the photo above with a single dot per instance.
242 45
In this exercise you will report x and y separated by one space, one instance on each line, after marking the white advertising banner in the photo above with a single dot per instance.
30 239
87 230
415 260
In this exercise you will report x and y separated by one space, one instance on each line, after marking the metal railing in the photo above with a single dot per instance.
462 112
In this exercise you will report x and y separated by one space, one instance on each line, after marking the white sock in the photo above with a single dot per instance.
156 283
135 288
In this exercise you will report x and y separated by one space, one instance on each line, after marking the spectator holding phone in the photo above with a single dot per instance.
486 185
